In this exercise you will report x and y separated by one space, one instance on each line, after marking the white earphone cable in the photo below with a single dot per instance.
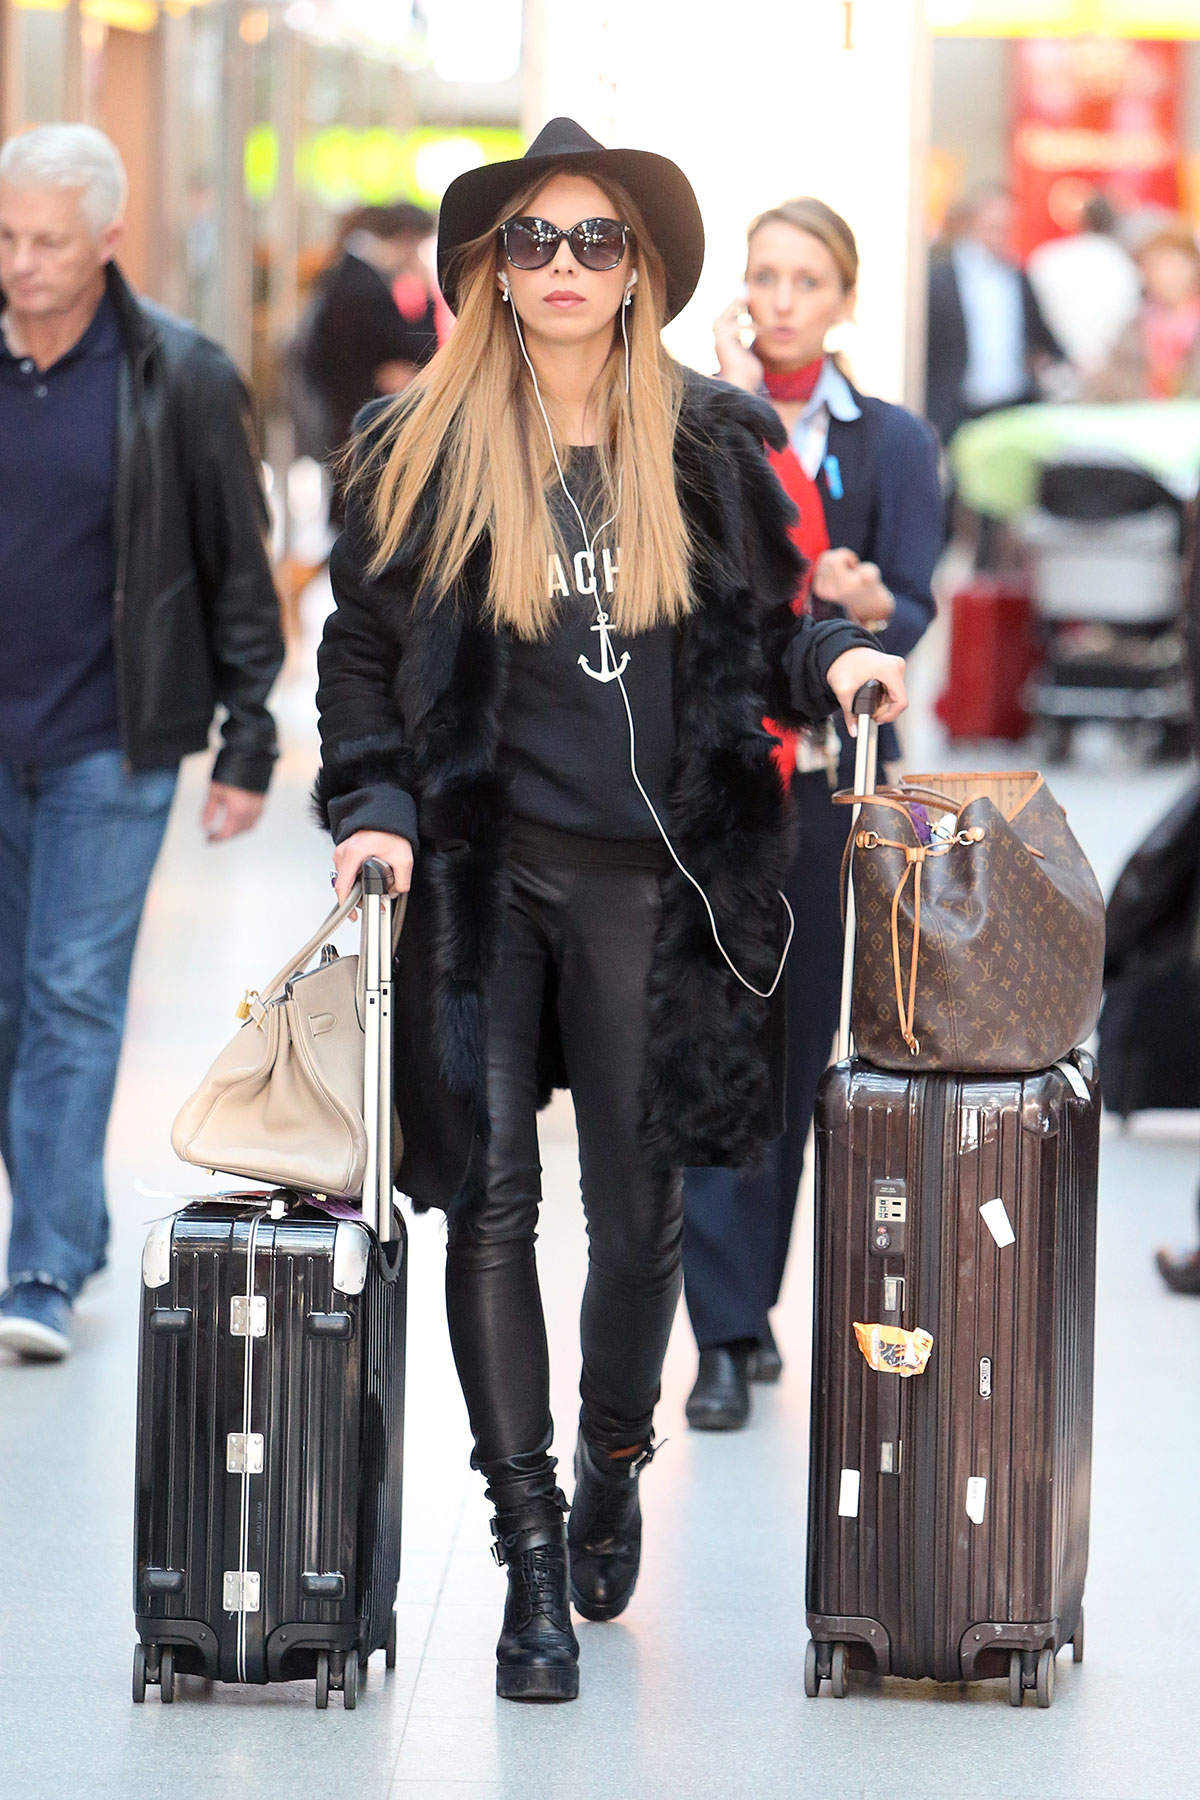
605 644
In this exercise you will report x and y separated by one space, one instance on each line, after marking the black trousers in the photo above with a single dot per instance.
582 922
738 1222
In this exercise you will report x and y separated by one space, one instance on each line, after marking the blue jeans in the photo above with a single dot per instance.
78 845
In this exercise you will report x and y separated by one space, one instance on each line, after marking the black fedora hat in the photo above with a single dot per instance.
474 202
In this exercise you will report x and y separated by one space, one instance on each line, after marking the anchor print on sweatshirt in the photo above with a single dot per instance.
594 574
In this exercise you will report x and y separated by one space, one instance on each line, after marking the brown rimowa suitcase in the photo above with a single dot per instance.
948 1510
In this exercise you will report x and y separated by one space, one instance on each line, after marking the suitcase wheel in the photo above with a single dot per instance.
1077 1643
322 1680
139 1674
166 1675
1016 1680
350 1683
1045 1678
836 1669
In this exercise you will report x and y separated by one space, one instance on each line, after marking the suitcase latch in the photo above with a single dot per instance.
241 1591
244 1453
248 1316
889 1210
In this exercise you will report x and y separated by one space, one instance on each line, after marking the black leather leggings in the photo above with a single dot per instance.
587 927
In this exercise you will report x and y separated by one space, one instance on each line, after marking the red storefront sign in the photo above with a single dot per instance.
1092 113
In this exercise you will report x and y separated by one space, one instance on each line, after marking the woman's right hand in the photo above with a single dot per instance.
349 857
735 363
839 577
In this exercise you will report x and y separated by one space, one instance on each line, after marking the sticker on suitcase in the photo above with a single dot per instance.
890 1350
995 1216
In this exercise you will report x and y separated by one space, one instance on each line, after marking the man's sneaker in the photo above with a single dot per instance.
35 1322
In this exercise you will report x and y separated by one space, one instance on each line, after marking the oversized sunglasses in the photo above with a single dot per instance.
533 243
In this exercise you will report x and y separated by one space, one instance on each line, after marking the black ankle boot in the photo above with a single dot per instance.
605 1532
537 1656
720 1399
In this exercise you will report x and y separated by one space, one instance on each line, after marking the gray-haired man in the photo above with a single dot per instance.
135 599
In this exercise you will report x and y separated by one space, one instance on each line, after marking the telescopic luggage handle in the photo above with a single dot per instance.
866 755
376 952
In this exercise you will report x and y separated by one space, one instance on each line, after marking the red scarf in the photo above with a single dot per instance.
810 534
793 384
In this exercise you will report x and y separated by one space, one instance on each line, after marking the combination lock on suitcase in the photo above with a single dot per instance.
271 1414
948 1508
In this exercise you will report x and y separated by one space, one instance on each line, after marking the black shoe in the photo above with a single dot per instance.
604 1535
764 1362
537 1656
720 1400
1181 1273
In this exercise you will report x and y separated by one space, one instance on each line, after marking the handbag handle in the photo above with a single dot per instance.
299 961
904 792
899 798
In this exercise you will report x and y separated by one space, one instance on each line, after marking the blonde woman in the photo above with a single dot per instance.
863 476
563 608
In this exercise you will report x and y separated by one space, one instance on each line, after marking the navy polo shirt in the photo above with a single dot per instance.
58 677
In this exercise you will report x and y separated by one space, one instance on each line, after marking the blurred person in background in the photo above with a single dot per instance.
358 341
561 503
988 341
1157 356
1087 285
135 598
863 476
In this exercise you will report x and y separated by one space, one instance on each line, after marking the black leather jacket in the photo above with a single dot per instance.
195 613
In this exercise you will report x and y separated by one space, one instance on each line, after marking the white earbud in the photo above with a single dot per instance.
629 287
504 289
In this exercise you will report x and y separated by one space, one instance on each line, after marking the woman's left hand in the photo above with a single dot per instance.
848 672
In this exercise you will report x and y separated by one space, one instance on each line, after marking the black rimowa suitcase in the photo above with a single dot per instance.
271 1415
948 1510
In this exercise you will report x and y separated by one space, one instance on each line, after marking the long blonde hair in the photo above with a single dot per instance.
472 416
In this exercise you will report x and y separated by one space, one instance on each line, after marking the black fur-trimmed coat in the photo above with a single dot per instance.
410 699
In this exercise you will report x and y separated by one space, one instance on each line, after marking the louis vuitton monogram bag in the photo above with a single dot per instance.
979 943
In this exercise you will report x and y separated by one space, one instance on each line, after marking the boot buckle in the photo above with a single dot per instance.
644 1458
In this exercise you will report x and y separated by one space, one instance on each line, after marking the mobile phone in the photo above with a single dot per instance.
745 322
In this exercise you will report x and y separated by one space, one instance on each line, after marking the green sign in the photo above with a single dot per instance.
342 167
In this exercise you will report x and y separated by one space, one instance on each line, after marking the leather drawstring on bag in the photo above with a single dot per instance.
914 858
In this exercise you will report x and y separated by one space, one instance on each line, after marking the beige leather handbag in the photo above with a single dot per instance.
283 1103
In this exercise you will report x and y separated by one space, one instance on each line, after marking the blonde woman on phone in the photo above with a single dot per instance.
863 476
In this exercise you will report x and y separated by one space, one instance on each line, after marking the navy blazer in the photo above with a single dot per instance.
889 511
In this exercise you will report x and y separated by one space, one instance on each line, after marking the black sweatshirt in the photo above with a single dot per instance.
564 735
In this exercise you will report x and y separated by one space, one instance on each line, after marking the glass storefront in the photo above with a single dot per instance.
248 129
